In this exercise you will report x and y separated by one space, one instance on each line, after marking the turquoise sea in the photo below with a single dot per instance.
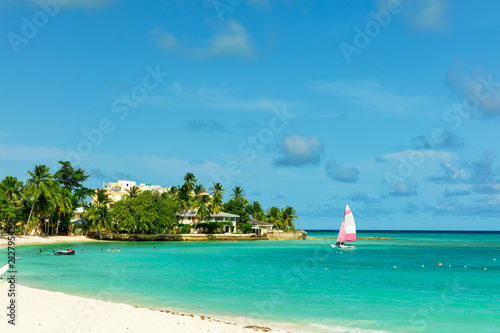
393 285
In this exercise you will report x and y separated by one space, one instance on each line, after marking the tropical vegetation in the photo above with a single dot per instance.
45 202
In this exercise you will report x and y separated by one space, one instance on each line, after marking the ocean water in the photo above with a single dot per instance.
392 285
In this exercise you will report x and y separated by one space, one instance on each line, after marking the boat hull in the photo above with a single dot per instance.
343 246
64 253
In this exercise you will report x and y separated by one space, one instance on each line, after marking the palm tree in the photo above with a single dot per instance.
134 191
258 212
217 191
189 182
217 202
63 205
202 205
11 188
199 190
288 215
43 210
274 217
99 214
41 182
238 194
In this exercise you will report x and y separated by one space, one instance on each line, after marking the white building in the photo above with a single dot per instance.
191 219
116 191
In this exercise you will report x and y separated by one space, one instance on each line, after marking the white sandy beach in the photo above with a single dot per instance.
54 312
25 240
46 311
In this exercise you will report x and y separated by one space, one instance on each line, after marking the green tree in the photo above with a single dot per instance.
134 191
238 194
189 182
288 216
11 201
237 207
257 212
63 206
72 180
11 188
99 215
44 208
217 201
274 217
41 182
147 213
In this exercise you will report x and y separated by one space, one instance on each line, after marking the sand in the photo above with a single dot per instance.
25 240
46 311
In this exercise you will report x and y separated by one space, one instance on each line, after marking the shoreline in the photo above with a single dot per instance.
35 240
40 310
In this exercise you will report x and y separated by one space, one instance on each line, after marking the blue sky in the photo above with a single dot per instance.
390 106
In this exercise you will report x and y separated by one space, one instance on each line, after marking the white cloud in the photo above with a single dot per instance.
429 14
164 39
479 88
16 153
299 151
442 156
407 188
232 41
216 98
368 94
423 15
340 173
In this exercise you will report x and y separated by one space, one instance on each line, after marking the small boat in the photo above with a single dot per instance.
347 230
68 252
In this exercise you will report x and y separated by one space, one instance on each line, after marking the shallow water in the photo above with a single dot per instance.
379 285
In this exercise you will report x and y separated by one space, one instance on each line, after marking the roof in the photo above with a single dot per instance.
78 210
192 213
260 223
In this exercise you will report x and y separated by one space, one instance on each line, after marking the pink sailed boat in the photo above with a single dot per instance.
347 229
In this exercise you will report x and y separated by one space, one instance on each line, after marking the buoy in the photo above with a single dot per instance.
449 266
485 268
321 259
440 264
422 265
465 266
327 268
394 266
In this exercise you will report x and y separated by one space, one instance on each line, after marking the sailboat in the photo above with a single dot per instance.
347 229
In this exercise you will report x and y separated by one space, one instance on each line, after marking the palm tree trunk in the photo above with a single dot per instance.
57 225
31 212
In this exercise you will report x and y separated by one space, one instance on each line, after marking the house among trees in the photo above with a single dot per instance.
219 222
259 227
116 191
